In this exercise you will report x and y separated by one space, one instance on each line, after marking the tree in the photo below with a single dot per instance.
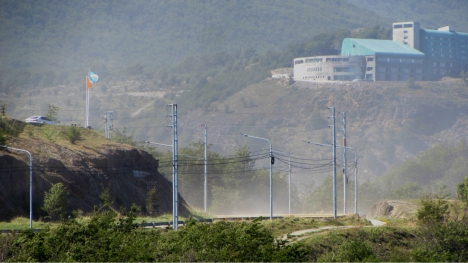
73 134
56 201
106 199
434 209
462 191
3 139
152 205
52 112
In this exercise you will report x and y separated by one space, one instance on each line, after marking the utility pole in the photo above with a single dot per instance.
355 169
355 181
108 122
272 161
289 183
334 160
345 172
175 167
205 159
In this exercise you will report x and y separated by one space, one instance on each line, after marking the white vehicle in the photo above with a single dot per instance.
39 120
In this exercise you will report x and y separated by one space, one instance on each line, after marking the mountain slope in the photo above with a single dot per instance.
386 122
75 35
431 14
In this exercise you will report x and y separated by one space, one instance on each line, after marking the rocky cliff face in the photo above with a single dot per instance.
127 172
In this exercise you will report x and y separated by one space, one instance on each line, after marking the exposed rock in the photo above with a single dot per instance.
392 209
380 209
85 171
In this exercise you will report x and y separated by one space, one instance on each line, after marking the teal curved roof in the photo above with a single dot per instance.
369 47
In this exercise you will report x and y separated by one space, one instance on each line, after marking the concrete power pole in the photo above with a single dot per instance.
334 160
345 172
108 118
175 168
205 184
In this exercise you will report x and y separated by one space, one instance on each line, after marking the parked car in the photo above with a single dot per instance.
39 120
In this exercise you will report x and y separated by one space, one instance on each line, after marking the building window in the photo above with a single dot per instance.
383 59
341 69
394 70
434 64
406 70
398 26
368 76
406 31
370 59
405 37
408 25
419 71
298 62
369 68
342 77
382 69
337 59
313 60
443 64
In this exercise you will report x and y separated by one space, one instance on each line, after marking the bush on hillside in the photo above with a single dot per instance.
73 134
56 201
106 239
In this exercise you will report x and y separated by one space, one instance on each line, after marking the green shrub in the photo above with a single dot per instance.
50 132
152 205
11 127
73 134
106 239
3 139
434 209
462 191
56 201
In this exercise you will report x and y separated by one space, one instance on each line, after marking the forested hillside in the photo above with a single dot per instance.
69 37
431 14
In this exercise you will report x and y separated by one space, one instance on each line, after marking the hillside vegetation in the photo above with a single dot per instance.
68 37
387 123
431 14
438 235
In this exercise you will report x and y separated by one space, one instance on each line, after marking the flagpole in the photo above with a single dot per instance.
87 101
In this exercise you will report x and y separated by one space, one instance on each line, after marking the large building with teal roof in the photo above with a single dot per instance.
416 53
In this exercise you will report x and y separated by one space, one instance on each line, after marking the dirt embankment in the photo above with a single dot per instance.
127 172
392 209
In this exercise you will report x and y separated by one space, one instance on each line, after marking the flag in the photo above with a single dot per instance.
89 84
93 77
